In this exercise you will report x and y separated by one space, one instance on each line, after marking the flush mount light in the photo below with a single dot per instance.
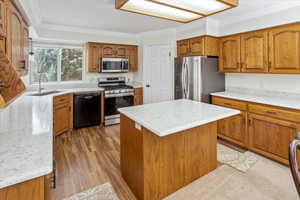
177 10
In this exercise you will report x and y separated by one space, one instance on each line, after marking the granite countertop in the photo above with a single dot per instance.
26 137
285 100
169 117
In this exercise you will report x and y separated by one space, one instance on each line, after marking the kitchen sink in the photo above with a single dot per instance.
44 93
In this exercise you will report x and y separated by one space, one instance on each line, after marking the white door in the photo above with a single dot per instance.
158 74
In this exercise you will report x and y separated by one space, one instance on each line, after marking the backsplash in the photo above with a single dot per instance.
90 81
283 83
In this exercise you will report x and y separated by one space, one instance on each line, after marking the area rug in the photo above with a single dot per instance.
100 192
266 180
235 159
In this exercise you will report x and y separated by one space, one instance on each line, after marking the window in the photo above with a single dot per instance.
56 64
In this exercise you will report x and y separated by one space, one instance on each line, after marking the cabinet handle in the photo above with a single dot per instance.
2 84
249 122
271 112
53 179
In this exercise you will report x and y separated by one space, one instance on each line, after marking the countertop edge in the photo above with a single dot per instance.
175 130
219 94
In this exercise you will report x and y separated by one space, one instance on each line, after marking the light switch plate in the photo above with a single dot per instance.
138 126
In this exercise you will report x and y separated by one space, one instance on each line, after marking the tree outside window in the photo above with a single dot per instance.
57 64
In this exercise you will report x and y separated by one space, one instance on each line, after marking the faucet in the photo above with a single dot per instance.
40 84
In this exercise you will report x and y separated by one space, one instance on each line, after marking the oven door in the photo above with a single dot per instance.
112 104
114 65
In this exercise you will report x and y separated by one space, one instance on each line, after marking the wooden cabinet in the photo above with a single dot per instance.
234 128
16 43
265 129
230 54
198 46
254 52
2 19
93 54
63 113
271 50
29 190
11 84
285 49
271 137
138 96
96 51
183 47
132 54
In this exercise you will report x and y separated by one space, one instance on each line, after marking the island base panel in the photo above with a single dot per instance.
155 167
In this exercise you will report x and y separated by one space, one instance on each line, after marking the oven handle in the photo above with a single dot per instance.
119 95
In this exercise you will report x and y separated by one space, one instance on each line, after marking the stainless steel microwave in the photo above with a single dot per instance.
110 65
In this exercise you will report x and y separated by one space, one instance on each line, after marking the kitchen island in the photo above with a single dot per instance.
165 146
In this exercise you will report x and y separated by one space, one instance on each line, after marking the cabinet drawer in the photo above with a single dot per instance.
62 99
229 103
138 91
275 112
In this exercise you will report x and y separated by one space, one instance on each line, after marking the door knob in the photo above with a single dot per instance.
147 85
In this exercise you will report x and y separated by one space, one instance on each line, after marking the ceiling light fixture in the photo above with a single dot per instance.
177 10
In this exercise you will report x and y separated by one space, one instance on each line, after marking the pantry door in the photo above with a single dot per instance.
158 74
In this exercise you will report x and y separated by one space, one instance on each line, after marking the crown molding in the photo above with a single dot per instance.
85 30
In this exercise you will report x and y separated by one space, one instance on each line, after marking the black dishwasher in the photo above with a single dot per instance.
86 110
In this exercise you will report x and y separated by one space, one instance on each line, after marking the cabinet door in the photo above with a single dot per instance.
285 49
230 54
2 19
16 34
25 47
196 46
271 137
183 48
120 51
61 118
132 54
254 52
138 96
234 129
93 58
108 51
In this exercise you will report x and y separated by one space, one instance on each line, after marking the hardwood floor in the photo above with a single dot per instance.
89 157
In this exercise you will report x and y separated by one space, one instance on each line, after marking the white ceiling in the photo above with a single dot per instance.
102 15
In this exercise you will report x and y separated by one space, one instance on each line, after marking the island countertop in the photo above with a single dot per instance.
169 117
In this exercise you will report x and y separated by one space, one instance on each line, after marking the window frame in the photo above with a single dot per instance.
61 46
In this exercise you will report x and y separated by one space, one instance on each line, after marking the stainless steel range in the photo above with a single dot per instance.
117 95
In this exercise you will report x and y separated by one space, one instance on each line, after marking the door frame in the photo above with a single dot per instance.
146 64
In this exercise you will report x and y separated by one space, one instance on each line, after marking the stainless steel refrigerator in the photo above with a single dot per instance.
196 77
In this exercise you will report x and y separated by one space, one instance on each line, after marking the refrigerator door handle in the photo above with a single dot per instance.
183 79
187 81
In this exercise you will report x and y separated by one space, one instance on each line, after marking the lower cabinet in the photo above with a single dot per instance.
267 130
138 96
234 129
62 113
271 137
35 189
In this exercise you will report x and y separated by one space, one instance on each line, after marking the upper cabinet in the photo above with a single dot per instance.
17 41
230 54
93 57
198 46
2 19
254 52
96 51
272 50
284 52
132 54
